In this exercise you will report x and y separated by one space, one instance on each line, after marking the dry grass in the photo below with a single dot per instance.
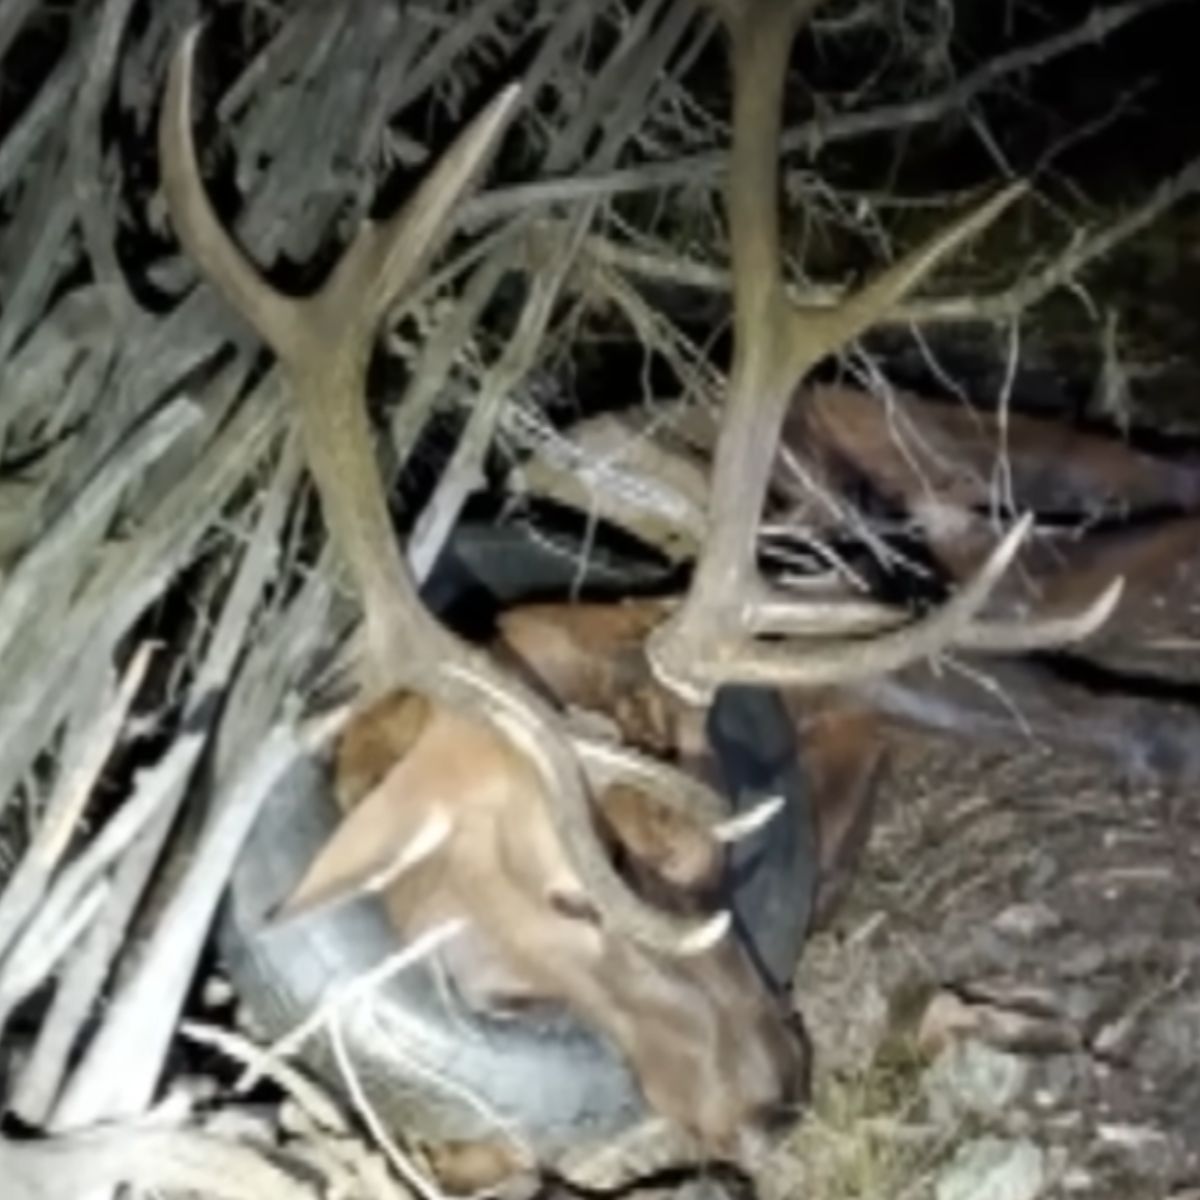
861 1140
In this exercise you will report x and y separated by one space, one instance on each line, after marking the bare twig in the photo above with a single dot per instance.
464 473
129 576
1063 267
12 20
169 1159
709 168
438 356
61 820
404 1167
361 988
35 250
95 202
41 117
122 1066
260 1063
85 975
53 563
26 966
1027 291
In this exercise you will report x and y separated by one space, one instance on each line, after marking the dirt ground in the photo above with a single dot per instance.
1008 1003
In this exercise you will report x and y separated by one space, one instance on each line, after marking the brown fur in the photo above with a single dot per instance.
710 1046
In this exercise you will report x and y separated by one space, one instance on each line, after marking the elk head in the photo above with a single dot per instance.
713 1049
487 801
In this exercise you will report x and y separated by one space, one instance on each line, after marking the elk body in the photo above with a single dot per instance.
476 795
1111 511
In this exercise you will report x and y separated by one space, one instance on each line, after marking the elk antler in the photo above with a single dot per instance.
710 639
324 342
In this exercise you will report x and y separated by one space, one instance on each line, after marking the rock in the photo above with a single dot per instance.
946 1017
1027 921
1146 1150
1076 1179
971 1078
994 1169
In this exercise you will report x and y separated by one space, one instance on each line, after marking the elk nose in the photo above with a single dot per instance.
761 1135
774 1121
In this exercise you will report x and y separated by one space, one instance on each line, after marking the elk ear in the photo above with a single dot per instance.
388 833
375 740
671 844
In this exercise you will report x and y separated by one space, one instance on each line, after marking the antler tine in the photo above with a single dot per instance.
710 638
323 342
844 661
387 255
818 333
781 614
375 268
272 316
1005 637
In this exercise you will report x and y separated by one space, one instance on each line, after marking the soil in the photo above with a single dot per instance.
1034 903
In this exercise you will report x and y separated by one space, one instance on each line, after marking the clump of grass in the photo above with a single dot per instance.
863 1136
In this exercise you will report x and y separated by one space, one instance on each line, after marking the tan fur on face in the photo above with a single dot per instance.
707 1042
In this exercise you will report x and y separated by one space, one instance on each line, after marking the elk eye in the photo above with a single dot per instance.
514 1006
574 907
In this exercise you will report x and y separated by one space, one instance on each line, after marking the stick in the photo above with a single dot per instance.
28 884
121 1068
80 985
65 1168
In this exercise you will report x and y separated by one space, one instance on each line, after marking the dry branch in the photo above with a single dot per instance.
122 1066
82 979
809 136
61 819
88 1164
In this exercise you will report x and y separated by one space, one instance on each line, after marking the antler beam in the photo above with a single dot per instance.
710 640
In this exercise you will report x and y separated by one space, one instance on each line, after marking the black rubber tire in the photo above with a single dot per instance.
555 1081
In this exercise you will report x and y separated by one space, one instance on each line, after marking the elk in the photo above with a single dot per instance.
480 794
